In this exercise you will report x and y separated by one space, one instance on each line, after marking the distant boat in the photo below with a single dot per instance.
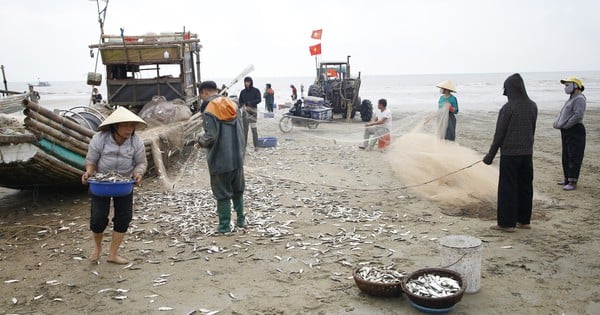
40 83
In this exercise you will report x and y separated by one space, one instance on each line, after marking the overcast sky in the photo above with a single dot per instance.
48 39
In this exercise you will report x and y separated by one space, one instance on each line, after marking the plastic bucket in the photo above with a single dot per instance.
462 253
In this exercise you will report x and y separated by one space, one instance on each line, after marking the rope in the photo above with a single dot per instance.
185 166
49 234
367 189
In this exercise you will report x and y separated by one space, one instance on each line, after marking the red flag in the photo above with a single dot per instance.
316 34
315 49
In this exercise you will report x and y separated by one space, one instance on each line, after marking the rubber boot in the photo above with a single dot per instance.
255 137
224 213
238 205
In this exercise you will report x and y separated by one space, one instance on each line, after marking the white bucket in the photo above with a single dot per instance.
462 253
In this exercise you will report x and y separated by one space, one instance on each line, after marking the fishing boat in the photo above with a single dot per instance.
40 83
48 147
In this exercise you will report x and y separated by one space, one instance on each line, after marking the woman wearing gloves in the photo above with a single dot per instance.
515 130
572 132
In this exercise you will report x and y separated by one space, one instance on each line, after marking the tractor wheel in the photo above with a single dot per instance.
366 110
345 112
314 90
286 124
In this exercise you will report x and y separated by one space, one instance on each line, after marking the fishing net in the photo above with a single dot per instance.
422 155
168 125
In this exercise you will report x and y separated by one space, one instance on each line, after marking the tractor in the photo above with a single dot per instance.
340 91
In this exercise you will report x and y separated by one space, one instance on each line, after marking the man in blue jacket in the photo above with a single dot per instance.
223 137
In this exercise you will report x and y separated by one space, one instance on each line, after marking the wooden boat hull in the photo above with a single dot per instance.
26 166
51 152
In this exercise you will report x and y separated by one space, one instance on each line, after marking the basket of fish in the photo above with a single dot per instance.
434 289
382 281
110 185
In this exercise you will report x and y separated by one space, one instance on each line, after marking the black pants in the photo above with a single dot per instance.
228 185
573 147
515 190
101 208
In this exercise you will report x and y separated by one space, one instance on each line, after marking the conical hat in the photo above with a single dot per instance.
120 115
447 85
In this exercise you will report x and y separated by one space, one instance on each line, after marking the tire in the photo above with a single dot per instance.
312 125
314 90
286 124
366 110
345 112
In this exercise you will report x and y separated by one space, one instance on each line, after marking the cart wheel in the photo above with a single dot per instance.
286 124
312 125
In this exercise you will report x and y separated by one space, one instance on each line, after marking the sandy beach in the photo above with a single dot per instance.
318 208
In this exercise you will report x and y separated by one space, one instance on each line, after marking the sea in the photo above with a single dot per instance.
416 92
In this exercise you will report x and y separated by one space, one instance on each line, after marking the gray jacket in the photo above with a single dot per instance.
108 156
572 112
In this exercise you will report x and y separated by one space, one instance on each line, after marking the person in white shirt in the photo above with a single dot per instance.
380 126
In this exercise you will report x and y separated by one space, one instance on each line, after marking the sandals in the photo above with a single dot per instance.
501 228
524 226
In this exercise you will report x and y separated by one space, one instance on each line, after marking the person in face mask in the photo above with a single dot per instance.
572 132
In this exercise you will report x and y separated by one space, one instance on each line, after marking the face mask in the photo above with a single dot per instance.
570 88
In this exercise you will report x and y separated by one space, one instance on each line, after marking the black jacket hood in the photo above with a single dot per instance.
514 87
251 82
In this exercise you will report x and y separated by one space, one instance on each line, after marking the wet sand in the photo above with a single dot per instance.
317 209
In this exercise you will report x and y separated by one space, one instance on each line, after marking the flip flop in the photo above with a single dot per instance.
118 261
524 226
501 228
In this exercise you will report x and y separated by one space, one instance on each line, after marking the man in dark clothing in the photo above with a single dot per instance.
249 99
515 130
223 137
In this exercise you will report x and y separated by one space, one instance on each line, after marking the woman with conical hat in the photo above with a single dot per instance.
114 149
572 132
449 103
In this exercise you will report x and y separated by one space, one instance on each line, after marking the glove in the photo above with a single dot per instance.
487 159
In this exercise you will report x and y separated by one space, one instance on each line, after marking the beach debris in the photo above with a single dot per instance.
15 301
380 274
432 285
11 281
119 297
37 297
165 308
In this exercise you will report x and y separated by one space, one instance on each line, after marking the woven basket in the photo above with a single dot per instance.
430 302
376 288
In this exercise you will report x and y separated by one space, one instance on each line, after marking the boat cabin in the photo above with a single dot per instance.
141 67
